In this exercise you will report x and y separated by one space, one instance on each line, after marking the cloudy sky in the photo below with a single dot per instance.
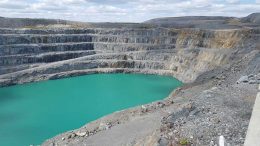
124 10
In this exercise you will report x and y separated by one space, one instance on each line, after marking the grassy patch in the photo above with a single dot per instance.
184 141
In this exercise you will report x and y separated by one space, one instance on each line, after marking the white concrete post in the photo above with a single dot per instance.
221 141
253 131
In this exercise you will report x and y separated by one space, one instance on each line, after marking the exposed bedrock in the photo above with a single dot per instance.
35 39
184 53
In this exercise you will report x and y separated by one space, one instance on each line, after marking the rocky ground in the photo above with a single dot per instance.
216 57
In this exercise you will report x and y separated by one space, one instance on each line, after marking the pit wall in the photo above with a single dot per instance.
28 55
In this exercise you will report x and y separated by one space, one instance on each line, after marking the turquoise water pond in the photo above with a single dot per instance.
31 113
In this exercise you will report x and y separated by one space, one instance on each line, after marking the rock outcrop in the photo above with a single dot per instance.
38 54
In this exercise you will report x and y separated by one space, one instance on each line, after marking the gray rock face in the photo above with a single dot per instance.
29 55
43 39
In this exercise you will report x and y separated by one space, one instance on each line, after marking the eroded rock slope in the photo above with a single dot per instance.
38 54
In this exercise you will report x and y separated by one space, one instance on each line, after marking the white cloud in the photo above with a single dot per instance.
15 4
233 1
57 5
121 10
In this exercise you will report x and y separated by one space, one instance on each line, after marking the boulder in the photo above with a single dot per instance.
252 82
243 79
81 134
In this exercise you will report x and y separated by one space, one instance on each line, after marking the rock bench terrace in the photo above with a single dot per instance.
163 50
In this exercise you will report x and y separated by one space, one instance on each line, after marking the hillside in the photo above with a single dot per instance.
207 22
252 18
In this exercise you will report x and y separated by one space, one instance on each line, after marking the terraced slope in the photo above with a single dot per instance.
37 54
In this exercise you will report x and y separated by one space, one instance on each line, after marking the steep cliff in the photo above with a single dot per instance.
36 54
